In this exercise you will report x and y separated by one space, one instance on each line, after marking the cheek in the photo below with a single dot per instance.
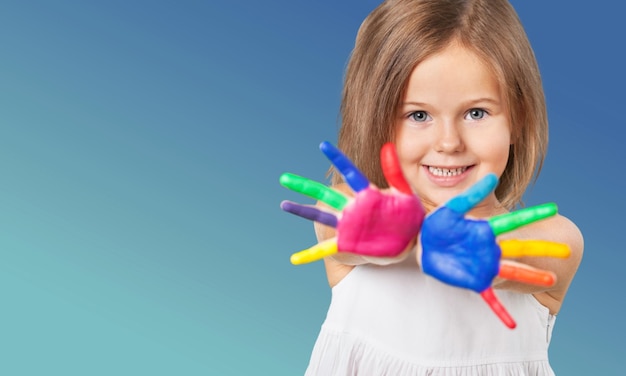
492 140
495 151
503 158
410 146
502 146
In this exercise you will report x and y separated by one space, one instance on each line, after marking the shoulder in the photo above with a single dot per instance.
558 229
561 229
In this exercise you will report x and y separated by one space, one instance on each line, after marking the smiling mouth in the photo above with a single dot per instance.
438 171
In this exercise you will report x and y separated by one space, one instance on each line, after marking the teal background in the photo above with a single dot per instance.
140 148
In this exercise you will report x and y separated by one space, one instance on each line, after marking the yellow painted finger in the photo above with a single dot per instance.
317 252
533 248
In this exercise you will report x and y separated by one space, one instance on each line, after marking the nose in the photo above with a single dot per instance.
448 138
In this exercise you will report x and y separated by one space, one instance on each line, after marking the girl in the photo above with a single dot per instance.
455 85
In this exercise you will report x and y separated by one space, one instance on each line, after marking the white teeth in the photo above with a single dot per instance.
446 171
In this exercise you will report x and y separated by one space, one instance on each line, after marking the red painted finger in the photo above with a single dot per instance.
392 170
525 275
490 298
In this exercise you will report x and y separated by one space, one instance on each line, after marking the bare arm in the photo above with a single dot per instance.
557 229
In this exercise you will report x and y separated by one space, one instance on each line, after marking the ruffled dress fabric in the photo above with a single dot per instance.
394 320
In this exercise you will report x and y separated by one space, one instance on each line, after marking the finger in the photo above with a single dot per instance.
317 252
314 189
392 170
527 275
510 221
514 248
355 178
492 300
467 200
309 212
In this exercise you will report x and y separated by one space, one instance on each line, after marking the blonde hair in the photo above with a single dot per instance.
397 36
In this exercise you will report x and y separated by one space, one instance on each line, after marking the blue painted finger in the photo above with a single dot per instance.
353 176
309 212
464 202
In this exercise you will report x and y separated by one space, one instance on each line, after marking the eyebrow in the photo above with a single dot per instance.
413 103
485 99
468 103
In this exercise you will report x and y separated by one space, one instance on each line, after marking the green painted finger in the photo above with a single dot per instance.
314 190
510 221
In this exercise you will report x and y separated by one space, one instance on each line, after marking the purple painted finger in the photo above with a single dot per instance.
309 212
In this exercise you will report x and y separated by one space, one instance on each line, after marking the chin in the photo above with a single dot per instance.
436 201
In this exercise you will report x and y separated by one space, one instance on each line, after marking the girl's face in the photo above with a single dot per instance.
453 126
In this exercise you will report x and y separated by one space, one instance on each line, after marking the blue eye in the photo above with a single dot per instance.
476 114
419 116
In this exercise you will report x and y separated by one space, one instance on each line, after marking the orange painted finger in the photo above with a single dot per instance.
315 253
534 248
527 275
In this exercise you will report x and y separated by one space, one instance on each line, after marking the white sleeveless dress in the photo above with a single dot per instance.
395 320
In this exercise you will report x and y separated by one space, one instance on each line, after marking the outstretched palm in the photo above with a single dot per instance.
372 223
465 253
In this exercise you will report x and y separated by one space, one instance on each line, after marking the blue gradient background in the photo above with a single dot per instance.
140 148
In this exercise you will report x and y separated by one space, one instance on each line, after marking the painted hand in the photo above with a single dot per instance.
465 253
372 223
